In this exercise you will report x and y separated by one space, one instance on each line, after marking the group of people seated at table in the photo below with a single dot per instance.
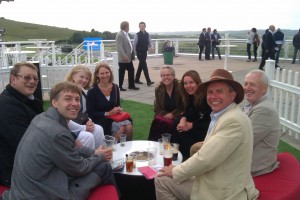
230 144
214 134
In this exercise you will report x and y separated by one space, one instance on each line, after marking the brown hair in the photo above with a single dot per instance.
80 68
102 65
63 87
16 69
198 96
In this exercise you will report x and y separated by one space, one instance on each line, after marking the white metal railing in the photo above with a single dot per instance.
285 94
47 53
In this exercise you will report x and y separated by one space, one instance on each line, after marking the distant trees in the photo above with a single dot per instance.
78 36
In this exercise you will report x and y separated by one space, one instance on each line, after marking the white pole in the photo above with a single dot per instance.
115 68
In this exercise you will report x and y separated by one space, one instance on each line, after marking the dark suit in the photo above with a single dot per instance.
269 45
201 44
215 40
141 44
207 45
124 50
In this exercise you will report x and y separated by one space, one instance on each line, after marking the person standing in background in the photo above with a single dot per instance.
256 42
141 44
201 42
215 40
125 49
279 40
250 36
207 44
269 44
296 44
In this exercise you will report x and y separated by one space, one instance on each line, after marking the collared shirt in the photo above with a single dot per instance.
128 40
214 117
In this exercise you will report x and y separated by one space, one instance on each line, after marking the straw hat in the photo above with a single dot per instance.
224 76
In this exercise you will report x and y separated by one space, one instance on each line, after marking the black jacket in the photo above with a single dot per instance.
16 113
296 40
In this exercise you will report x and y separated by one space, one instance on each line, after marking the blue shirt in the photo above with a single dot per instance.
214 117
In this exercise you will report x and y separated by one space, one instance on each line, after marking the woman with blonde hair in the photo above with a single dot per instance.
87 133
193 125
103 100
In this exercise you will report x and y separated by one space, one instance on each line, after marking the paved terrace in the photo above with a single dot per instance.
181 64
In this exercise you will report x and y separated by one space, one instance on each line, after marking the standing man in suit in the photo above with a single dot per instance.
125 49
221 168
141 43
201 42
18 107
265 123
269 45
296 44
207 44
215 40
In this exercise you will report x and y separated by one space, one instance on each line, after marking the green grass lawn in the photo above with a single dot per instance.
142 115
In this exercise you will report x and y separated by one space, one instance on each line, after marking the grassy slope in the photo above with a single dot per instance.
21 31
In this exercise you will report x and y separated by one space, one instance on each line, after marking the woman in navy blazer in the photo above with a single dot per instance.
104 100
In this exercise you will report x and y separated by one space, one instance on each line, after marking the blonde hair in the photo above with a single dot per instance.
80 68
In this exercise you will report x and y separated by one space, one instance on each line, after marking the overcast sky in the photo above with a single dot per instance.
159 15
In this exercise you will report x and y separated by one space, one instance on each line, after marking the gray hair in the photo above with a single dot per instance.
262 75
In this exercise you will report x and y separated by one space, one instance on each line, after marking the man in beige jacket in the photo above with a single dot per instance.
221 168
265 123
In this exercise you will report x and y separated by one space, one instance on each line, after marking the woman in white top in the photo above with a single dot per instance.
88 134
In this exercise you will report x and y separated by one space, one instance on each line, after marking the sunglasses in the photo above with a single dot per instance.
28 78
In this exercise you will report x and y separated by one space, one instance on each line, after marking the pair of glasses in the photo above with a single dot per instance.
28 78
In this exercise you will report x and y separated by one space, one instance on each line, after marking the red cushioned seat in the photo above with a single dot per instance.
283 183
104 192
2 189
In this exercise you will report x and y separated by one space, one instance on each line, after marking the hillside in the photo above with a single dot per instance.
20 31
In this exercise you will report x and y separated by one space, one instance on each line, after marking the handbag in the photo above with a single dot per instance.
159 125
121 116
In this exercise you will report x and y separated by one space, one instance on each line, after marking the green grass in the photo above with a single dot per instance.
142 115
20 31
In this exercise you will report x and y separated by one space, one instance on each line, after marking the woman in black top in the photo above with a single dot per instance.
193 125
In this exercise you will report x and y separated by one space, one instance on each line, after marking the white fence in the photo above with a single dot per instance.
48 54
285 95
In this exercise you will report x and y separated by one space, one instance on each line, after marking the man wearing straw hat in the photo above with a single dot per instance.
221 168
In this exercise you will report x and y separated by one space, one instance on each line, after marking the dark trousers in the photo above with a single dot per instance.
207 50
142 67
130 69
249 50
277 53
255 47
201 47
213 51
268 54
296 49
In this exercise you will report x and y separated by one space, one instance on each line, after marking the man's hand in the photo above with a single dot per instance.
105 152
166 171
